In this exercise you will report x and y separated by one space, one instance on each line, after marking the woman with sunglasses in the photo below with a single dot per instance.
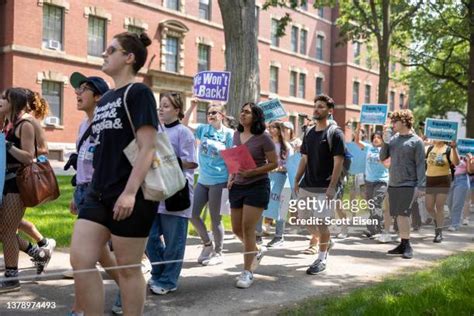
249 190
213 137
114 206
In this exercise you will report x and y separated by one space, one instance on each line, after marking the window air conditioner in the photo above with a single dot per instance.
53 44
51 121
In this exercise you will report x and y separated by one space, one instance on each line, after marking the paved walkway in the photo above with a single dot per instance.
280 280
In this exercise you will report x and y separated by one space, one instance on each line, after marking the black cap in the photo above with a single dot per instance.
98 83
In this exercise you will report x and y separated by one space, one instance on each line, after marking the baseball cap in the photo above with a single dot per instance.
289 125
97 82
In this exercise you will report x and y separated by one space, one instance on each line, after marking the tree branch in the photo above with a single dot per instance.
406 15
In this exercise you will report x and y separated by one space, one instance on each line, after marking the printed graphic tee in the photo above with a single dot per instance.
85 155
111 133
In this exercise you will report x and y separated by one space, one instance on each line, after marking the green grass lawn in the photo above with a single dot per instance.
53 219
446 289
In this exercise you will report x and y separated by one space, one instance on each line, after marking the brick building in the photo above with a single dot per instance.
43 41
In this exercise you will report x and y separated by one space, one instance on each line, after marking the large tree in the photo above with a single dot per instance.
443 53
241 52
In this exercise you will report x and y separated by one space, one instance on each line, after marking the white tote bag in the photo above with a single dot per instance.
164 178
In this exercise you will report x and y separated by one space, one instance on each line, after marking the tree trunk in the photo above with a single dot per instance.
241 52
383 44
470 85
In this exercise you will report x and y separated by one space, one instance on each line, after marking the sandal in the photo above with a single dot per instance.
311 250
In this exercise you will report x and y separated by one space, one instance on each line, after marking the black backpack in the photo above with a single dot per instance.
448 156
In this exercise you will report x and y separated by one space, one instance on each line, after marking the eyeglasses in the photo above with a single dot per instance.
112 49
212 113
81 90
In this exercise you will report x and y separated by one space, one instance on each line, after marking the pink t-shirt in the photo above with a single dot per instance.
461 168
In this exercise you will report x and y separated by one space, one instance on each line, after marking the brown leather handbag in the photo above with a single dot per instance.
37 183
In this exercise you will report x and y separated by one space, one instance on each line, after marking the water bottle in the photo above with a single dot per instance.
42 158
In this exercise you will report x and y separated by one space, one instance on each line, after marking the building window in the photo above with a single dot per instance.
367 94
274 38
294 39
171 53
319 85
292 120
96 36
52 92
393 67
402 100
392 101
301 119
201 114
303 40
273 79
319 47
172 4
355 92
293 83
135 29
302 86
356 52
203 57
53 21
205 9
321 12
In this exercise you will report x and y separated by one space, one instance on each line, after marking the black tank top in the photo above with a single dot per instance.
11 137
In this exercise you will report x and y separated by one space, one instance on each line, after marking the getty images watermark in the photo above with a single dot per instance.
318 211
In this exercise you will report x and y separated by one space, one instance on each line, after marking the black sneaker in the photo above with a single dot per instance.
41 259
317 267
407 252
276 242
259 240
438 236
399 250
9 286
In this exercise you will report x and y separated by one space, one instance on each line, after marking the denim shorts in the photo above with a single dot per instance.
99 209
256 194
79 195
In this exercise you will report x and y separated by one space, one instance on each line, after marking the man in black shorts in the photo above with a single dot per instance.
407 175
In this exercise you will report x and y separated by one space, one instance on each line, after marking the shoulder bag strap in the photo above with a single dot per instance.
126 109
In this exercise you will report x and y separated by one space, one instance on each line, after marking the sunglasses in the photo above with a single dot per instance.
81 90
212 113
112 49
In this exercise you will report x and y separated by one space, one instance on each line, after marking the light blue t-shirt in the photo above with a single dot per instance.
212 168
375 171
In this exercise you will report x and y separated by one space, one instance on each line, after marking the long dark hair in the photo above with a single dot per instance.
18 99
258 119
281 139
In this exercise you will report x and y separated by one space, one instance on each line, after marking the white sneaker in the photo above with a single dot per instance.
452 229
258 258
146 265
385 238
158 290
206 253
215 259
465 221
245 280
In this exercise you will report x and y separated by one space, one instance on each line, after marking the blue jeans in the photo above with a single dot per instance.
457 195
279 227
174 230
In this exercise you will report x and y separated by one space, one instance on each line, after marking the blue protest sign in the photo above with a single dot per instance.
374 114
272 109
292 164
2 163
465 146
277 182
212 85
358 160
442 130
